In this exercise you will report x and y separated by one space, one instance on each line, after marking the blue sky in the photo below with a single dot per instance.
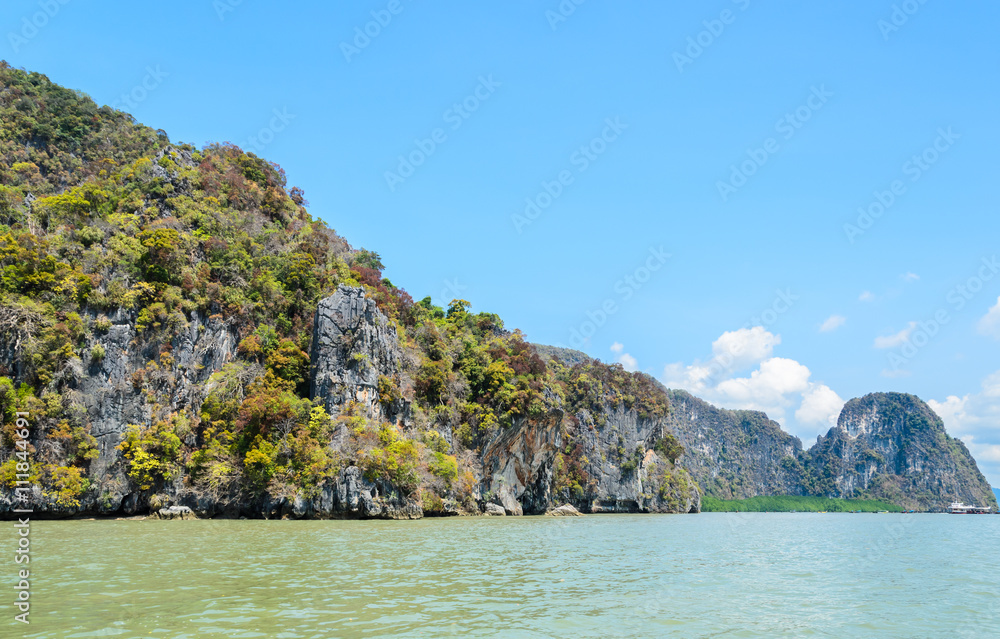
727 144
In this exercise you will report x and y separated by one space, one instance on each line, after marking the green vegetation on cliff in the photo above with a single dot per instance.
105 225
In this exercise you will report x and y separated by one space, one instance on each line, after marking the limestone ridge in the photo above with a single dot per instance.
524 466
353 347
888 446
734 454
108 392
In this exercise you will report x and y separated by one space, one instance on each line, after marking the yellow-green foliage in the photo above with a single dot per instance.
79 445
260 461
10 469
395 459
388 390
444 466
151 453
67 485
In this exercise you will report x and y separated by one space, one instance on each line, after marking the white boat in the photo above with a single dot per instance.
958 508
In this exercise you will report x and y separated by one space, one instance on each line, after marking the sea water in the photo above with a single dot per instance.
707 575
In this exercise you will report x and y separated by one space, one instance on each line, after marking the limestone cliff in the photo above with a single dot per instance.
887 446
734 454
600 460
135 379
353 345
892 446
604 462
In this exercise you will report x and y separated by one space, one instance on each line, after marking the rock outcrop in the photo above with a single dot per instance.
353 346
566 510
108 394
174 512
892 446
524 468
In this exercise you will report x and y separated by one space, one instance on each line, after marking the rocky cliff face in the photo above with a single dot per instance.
353 346
107 394
136 380
892 446
535 465
734 454
610 464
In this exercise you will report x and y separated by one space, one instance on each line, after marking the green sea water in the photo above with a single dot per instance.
707 575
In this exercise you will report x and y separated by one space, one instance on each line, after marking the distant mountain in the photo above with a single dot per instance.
996 493
888 446
892 446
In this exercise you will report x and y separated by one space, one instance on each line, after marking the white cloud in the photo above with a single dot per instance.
991 385
766 386
989 453
910 277
989 324
737 350
627 361
896 339
778 386
820 406
975 419
832 323
951 411
866 296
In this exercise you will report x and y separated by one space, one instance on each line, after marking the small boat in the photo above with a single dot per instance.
959 508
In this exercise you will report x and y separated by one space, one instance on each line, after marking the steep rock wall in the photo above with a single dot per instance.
734 454
892 446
